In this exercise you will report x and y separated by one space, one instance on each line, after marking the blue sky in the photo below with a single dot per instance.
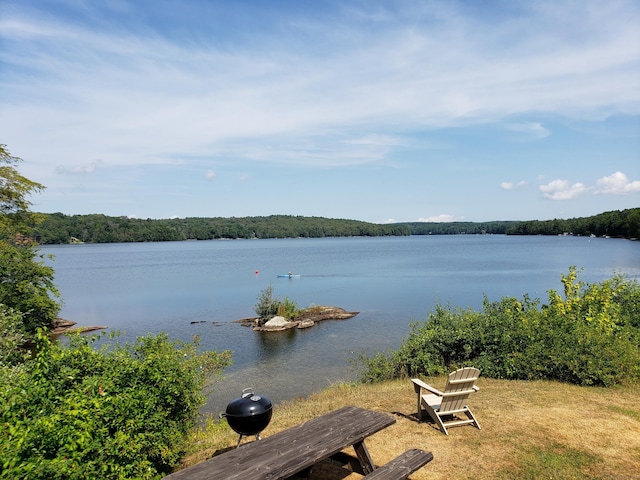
382 111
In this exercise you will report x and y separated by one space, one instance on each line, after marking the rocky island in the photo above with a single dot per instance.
307 318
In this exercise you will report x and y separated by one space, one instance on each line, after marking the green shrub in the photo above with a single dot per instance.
117 412
26 285
12 337
588 337
268 306
377 368
288 309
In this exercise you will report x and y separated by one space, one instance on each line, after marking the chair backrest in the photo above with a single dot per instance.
458 388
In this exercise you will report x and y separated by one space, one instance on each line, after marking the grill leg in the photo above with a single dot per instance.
258 437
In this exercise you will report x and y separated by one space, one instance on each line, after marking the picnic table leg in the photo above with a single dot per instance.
306 473
366 462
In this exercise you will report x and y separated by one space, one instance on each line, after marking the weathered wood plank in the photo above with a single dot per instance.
282 455
402 466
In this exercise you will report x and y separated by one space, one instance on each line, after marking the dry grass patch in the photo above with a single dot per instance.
529 430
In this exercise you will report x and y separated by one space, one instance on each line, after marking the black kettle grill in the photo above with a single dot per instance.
249 414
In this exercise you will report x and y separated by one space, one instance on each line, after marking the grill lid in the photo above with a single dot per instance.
248 404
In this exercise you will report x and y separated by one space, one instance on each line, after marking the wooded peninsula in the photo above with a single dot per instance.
58 228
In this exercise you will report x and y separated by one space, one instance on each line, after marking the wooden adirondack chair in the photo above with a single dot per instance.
443 407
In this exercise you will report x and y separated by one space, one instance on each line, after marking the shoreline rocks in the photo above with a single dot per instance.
62 326
306 320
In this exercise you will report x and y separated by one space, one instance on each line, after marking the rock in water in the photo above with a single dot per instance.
276 322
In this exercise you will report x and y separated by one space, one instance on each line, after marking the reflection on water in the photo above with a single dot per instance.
152 287
272 344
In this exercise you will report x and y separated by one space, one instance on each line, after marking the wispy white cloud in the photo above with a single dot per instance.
358 86
376 139
327 150
512 185
562 190
79 169
616 184
531 130
443 218
159 96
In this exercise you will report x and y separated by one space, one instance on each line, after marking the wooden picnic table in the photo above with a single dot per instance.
297 449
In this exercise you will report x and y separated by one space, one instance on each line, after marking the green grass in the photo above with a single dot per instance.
531 430
553 461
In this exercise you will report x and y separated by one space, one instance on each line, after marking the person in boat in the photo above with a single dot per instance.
290 274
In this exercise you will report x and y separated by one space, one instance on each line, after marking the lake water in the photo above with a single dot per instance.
201 287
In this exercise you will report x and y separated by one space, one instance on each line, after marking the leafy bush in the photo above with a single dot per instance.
288 309
268 306
114 412
26 285
591 336
12 337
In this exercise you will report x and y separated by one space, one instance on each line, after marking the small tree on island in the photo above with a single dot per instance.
268 306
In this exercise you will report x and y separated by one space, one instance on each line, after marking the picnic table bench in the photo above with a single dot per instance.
298 449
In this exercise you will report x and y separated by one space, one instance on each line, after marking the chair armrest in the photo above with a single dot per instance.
419 385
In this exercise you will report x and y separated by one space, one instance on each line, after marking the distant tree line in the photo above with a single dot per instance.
617 223
58 228
459 228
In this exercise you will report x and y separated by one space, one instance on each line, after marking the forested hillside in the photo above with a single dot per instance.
459 228
617 223
58 228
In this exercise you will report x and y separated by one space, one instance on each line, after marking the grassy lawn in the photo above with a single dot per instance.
530 430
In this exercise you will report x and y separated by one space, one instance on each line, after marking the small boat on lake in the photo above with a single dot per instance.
289 275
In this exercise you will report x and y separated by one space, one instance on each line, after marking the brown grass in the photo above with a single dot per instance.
529 430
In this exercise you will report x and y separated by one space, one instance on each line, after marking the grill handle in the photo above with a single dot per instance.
247 392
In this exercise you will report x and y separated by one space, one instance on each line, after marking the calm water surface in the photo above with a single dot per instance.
200 288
